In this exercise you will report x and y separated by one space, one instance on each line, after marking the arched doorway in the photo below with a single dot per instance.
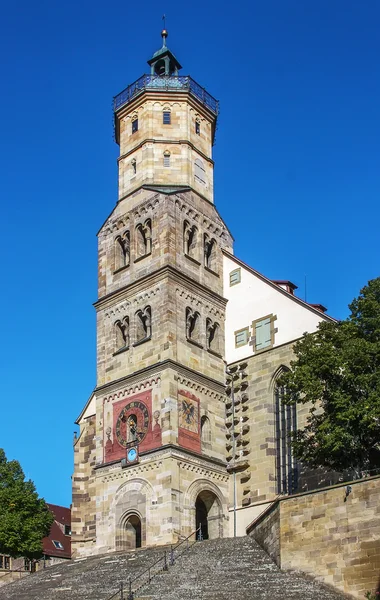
133 532
208 515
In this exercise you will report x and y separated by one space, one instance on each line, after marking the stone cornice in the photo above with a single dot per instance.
155 278
183 456
149 372
166 143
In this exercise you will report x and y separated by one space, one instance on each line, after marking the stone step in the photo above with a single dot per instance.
210 570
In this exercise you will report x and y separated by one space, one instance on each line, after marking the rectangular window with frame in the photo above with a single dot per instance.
263 331
167 161
135 125
235 276
241 337
166 118
197 128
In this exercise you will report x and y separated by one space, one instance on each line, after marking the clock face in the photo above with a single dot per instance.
132 424
132 454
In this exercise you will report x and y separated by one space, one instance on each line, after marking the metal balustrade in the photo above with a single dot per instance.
166 83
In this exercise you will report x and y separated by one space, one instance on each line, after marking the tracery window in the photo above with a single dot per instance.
285 424
143 324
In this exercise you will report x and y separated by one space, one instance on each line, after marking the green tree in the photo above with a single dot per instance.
337 371
24 517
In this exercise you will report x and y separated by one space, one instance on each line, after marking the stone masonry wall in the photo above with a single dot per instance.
333 537
267 533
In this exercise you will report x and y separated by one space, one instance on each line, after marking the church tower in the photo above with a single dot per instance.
150 457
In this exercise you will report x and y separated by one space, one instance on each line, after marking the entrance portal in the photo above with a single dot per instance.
133 532
208 515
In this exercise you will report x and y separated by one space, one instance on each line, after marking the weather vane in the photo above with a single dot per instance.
164 20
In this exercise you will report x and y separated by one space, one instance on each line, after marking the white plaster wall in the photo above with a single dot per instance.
254 298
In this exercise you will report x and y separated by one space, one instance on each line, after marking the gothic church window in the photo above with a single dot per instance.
122 251
190 234
197 127
285 424
143 324
199 171
192 325
144 238
135 125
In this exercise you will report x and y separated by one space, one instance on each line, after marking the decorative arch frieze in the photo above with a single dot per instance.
200 388
133 389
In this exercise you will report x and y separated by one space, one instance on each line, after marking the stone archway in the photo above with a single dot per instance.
130 511
208 515
133 532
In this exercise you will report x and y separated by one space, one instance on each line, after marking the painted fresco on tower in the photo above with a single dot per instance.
132 425
188 421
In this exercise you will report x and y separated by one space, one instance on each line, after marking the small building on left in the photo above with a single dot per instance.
56 548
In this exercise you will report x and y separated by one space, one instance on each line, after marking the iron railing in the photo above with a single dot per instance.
168 559
167 82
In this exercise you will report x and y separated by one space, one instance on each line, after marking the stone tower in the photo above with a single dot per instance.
150 457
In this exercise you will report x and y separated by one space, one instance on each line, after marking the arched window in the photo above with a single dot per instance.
192 325
209 252
122 251
143 324
285 424
213 336
190 235
199 171
205 430
144 238
122 334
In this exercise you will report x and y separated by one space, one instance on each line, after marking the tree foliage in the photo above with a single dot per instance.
24 517
337 371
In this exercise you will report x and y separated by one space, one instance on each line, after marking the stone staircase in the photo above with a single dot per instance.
211 570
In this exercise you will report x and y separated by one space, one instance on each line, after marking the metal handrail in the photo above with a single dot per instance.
19 570
148 570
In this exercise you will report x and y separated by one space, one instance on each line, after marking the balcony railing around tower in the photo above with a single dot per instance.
166 83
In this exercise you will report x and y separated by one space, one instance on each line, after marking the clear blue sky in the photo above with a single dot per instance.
296 178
